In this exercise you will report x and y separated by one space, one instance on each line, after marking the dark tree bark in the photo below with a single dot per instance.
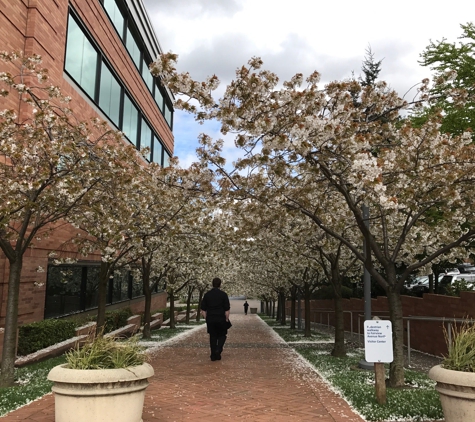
279 308
104 275
396 368
171 294
293 298
339 349
147 291
200 299
189 294
308 327
283 316
11 322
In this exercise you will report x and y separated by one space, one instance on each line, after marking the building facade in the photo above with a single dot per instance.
98 53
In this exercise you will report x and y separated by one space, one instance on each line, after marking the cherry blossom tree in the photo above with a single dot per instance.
315 150
50 163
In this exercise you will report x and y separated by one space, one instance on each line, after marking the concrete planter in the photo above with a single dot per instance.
457 393
99 394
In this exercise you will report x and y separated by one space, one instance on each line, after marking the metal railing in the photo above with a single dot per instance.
444 320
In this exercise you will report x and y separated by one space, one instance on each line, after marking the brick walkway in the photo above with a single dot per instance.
257 379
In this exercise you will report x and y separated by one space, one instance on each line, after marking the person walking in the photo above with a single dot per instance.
215 309
246 307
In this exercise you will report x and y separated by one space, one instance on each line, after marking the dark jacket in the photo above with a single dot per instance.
215 302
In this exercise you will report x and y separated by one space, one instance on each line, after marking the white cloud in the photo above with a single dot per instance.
218 36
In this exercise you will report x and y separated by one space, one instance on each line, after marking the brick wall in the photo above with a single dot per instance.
39 27
426 336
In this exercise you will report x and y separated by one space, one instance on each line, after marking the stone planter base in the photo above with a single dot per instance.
457 393
99 394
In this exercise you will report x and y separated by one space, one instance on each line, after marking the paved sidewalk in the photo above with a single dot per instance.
258 379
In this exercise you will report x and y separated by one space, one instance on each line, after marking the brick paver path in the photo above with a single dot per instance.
258 379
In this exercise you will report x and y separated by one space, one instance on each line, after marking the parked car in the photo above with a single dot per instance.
451 279
421 284
466 268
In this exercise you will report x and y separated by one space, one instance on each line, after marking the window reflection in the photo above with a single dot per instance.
109 96
133 48
115 16
147 76
146 138
168 115
130 120
166 159
157 151
158 97
81 58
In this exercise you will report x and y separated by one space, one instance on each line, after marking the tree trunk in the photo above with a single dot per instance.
339 346
308 327
283 316
102 296
147 291
188 303
279 307
198 314
172 309
293 298
11 323
396 368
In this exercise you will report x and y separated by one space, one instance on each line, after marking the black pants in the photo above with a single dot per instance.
217 334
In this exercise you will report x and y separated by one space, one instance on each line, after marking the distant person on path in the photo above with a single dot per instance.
246 307
215 309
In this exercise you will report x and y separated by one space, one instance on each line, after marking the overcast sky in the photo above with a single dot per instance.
218 36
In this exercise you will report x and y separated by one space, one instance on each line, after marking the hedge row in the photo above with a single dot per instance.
38 335
41 334
116 319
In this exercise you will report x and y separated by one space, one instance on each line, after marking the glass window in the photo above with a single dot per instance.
157 150
81 58
109 95
146 138
158 96
115 16
120 290
168 115
133 48
92 287
130 120
147 76
166 159
63 290
137 288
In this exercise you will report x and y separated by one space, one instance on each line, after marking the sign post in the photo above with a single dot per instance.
378 336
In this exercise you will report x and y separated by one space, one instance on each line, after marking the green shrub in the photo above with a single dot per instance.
116 319
165 312
38 335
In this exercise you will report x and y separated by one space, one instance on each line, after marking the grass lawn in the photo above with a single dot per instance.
417 402
31 384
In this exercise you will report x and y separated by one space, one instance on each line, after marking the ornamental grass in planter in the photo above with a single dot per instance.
104 380
455 377
106 353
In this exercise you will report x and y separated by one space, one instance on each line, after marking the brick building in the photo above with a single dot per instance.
98 52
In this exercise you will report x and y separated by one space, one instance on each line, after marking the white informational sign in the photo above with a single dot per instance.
378 339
